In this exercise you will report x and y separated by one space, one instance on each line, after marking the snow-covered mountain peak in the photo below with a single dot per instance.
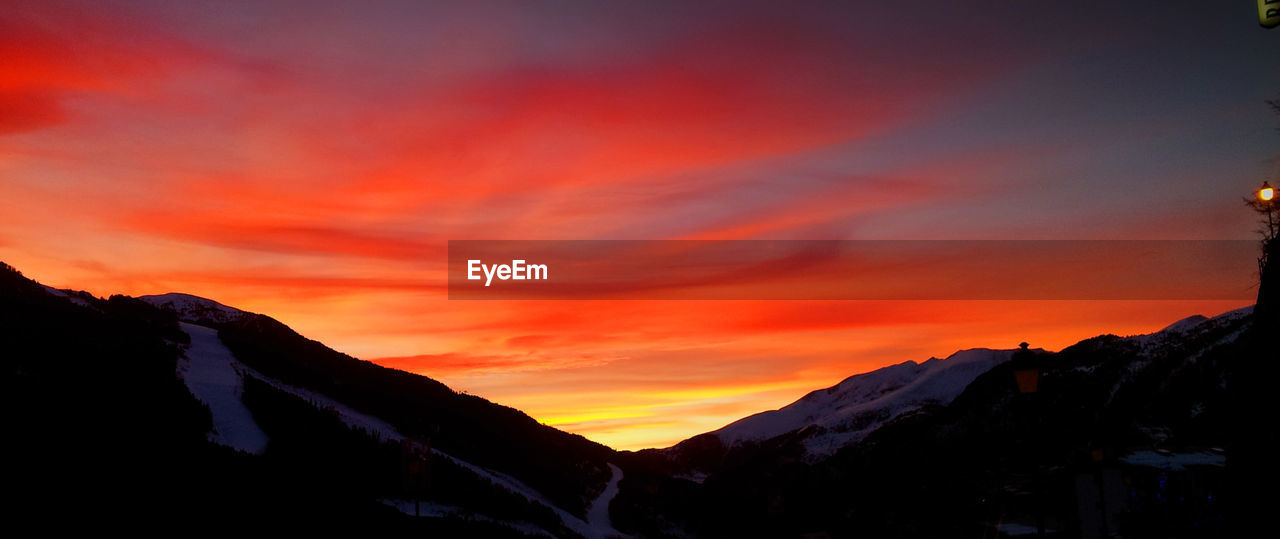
848 411
1194 322
194 308
1191 325
1186 324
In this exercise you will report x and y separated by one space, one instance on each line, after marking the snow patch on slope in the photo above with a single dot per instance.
850 410
1174 461
374 425
73 298
421 508
437 510
595 529
211 373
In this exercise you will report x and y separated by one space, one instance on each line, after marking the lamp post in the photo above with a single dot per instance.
1267 309
1266 196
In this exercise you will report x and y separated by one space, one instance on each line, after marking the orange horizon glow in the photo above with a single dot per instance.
311 162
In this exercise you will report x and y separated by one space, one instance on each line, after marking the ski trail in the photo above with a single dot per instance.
210 373
598 515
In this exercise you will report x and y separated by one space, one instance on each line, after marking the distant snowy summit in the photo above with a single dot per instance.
847 412
850 410
195 308
1190 327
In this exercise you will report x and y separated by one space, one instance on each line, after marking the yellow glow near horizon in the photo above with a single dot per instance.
1266 194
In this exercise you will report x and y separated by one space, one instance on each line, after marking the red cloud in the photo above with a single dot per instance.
26 110
53 50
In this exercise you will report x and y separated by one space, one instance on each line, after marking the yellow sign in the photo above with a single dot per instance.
1269 13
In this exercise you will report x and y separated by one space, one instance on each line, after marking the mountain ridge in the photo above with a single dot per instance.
847 411
1156 409
517 473
860 403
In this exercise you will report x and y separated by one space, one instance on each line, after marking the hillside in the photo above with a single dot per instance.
197 409
567 468
1150 414
846 412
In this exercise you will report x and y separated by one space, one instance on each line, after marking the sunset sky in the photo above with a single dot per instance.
310 161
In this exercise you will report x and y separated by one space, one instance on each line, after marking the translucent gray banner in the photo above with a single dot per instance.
853 269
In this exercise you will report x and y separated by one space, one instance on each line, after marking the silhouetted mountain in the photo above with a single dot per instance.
567 468
1122 435
846 412
99 394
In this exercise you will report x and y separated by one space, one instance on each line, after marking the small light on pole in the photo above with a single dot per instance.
1266 203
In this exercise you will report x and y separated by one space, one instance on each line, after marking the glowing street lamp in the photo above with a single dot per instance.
1264 202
